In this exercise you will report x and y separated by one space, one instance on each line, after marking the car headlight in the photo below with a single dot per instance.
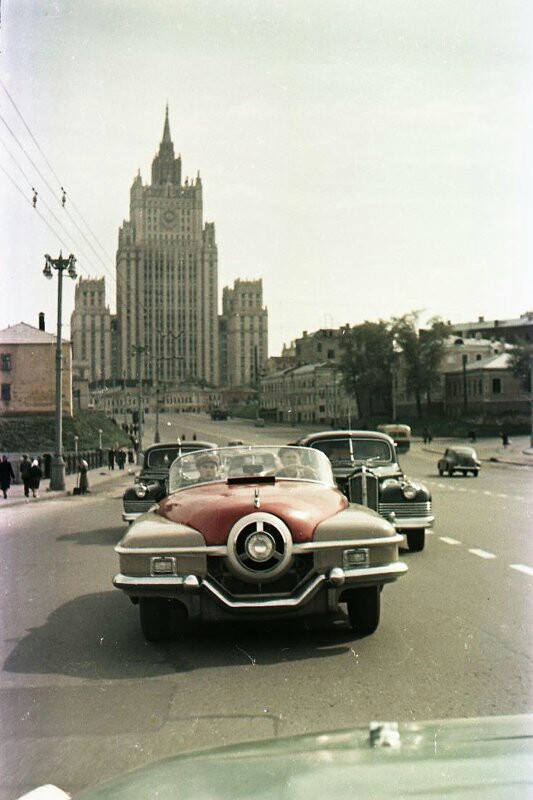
140 490
260 546
409 491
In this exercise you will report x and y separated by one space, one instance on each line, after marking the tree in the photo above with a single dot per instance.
365 364
423 350
520 363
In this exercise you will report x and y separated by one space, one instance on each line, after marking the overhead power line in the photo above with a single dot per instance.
54 173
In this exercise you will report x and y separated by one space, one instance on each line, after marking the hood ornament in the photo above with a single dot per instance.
257 501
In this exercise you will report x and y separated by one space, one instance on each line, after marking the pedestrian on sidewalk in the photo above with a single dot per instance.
35 474
6 475
111 458
24 469
84 479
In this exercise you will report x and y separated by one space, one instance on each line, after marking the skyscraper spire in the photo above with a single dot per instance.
166 130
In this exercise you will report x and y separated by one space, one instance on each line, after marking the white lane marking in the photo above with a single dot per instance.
487 492
481 553
502 495
522 568
449 540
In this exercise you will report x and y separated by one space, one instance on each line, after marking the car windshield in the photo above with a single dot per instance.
350 450
254 462
164 456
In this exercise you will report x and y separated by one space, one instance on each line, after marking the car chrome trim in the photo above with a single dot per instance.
305 547
215 550
413 522
130 516
360 574
222 550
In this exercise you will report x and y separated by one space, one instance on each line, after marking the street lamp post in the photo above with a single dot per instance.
76 440
100 438
57 466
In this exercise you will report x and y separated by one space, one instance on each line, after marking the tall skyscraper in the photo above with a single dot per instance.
167 289
90 331
243 333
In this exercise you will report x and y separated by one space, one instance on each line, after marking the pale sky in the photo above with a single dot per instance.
364 157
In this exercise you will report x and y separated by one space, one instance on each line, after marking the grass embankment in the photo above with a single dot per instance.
38 432
512 424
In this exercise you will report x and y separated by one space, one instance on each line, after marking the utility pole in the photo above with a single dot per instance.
57 466
139 351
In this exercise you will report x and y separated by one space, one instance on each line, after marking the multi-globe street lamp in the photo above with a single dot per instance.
57 466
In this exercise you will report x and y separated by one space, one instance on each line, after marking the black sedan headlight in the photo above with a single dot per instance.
409 491
140 490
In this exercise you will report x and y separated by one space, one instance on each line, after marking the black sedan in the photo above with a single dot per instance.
366 469
151 484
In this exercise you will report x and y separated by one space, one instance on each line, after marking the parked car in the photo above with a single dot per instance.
459 459
259 422
219 413
151 483
240 537
367 470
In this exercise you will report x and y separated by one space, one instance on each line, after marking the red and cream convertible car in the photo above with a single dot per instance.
256 532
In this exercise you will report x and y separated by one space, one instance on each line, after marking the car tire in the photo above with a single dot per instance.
475 473
155 618
364 609
450 473
416 540
441 472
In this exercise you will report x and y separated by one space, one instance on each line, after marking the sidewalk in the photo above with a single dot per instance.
99 479
518 452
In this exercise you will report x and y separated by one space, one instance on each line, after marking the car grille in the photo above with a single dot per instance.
137 506
405 510
356 491
299 571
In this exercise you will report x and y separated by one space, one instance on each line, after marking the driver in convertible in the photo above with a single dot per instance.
292 466
207 468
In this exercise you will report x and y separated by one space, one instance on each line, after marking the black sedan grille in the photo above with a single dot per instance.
138 506
405 510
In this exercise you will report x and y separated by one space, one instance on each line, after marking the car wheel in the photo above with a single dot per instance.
441 472
450 473
475 473
416 540
363 610
155 618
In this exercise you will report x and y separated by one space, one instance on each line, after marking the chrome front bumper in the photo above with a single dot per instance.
337 579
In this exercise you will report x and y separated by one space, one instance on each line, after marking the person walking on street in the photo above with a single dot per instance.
111 458
24 469
84 480
121 458
35 474
6 475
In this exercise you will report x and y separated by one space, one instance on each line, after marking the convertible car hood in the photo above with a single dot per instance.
213 509
461 759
